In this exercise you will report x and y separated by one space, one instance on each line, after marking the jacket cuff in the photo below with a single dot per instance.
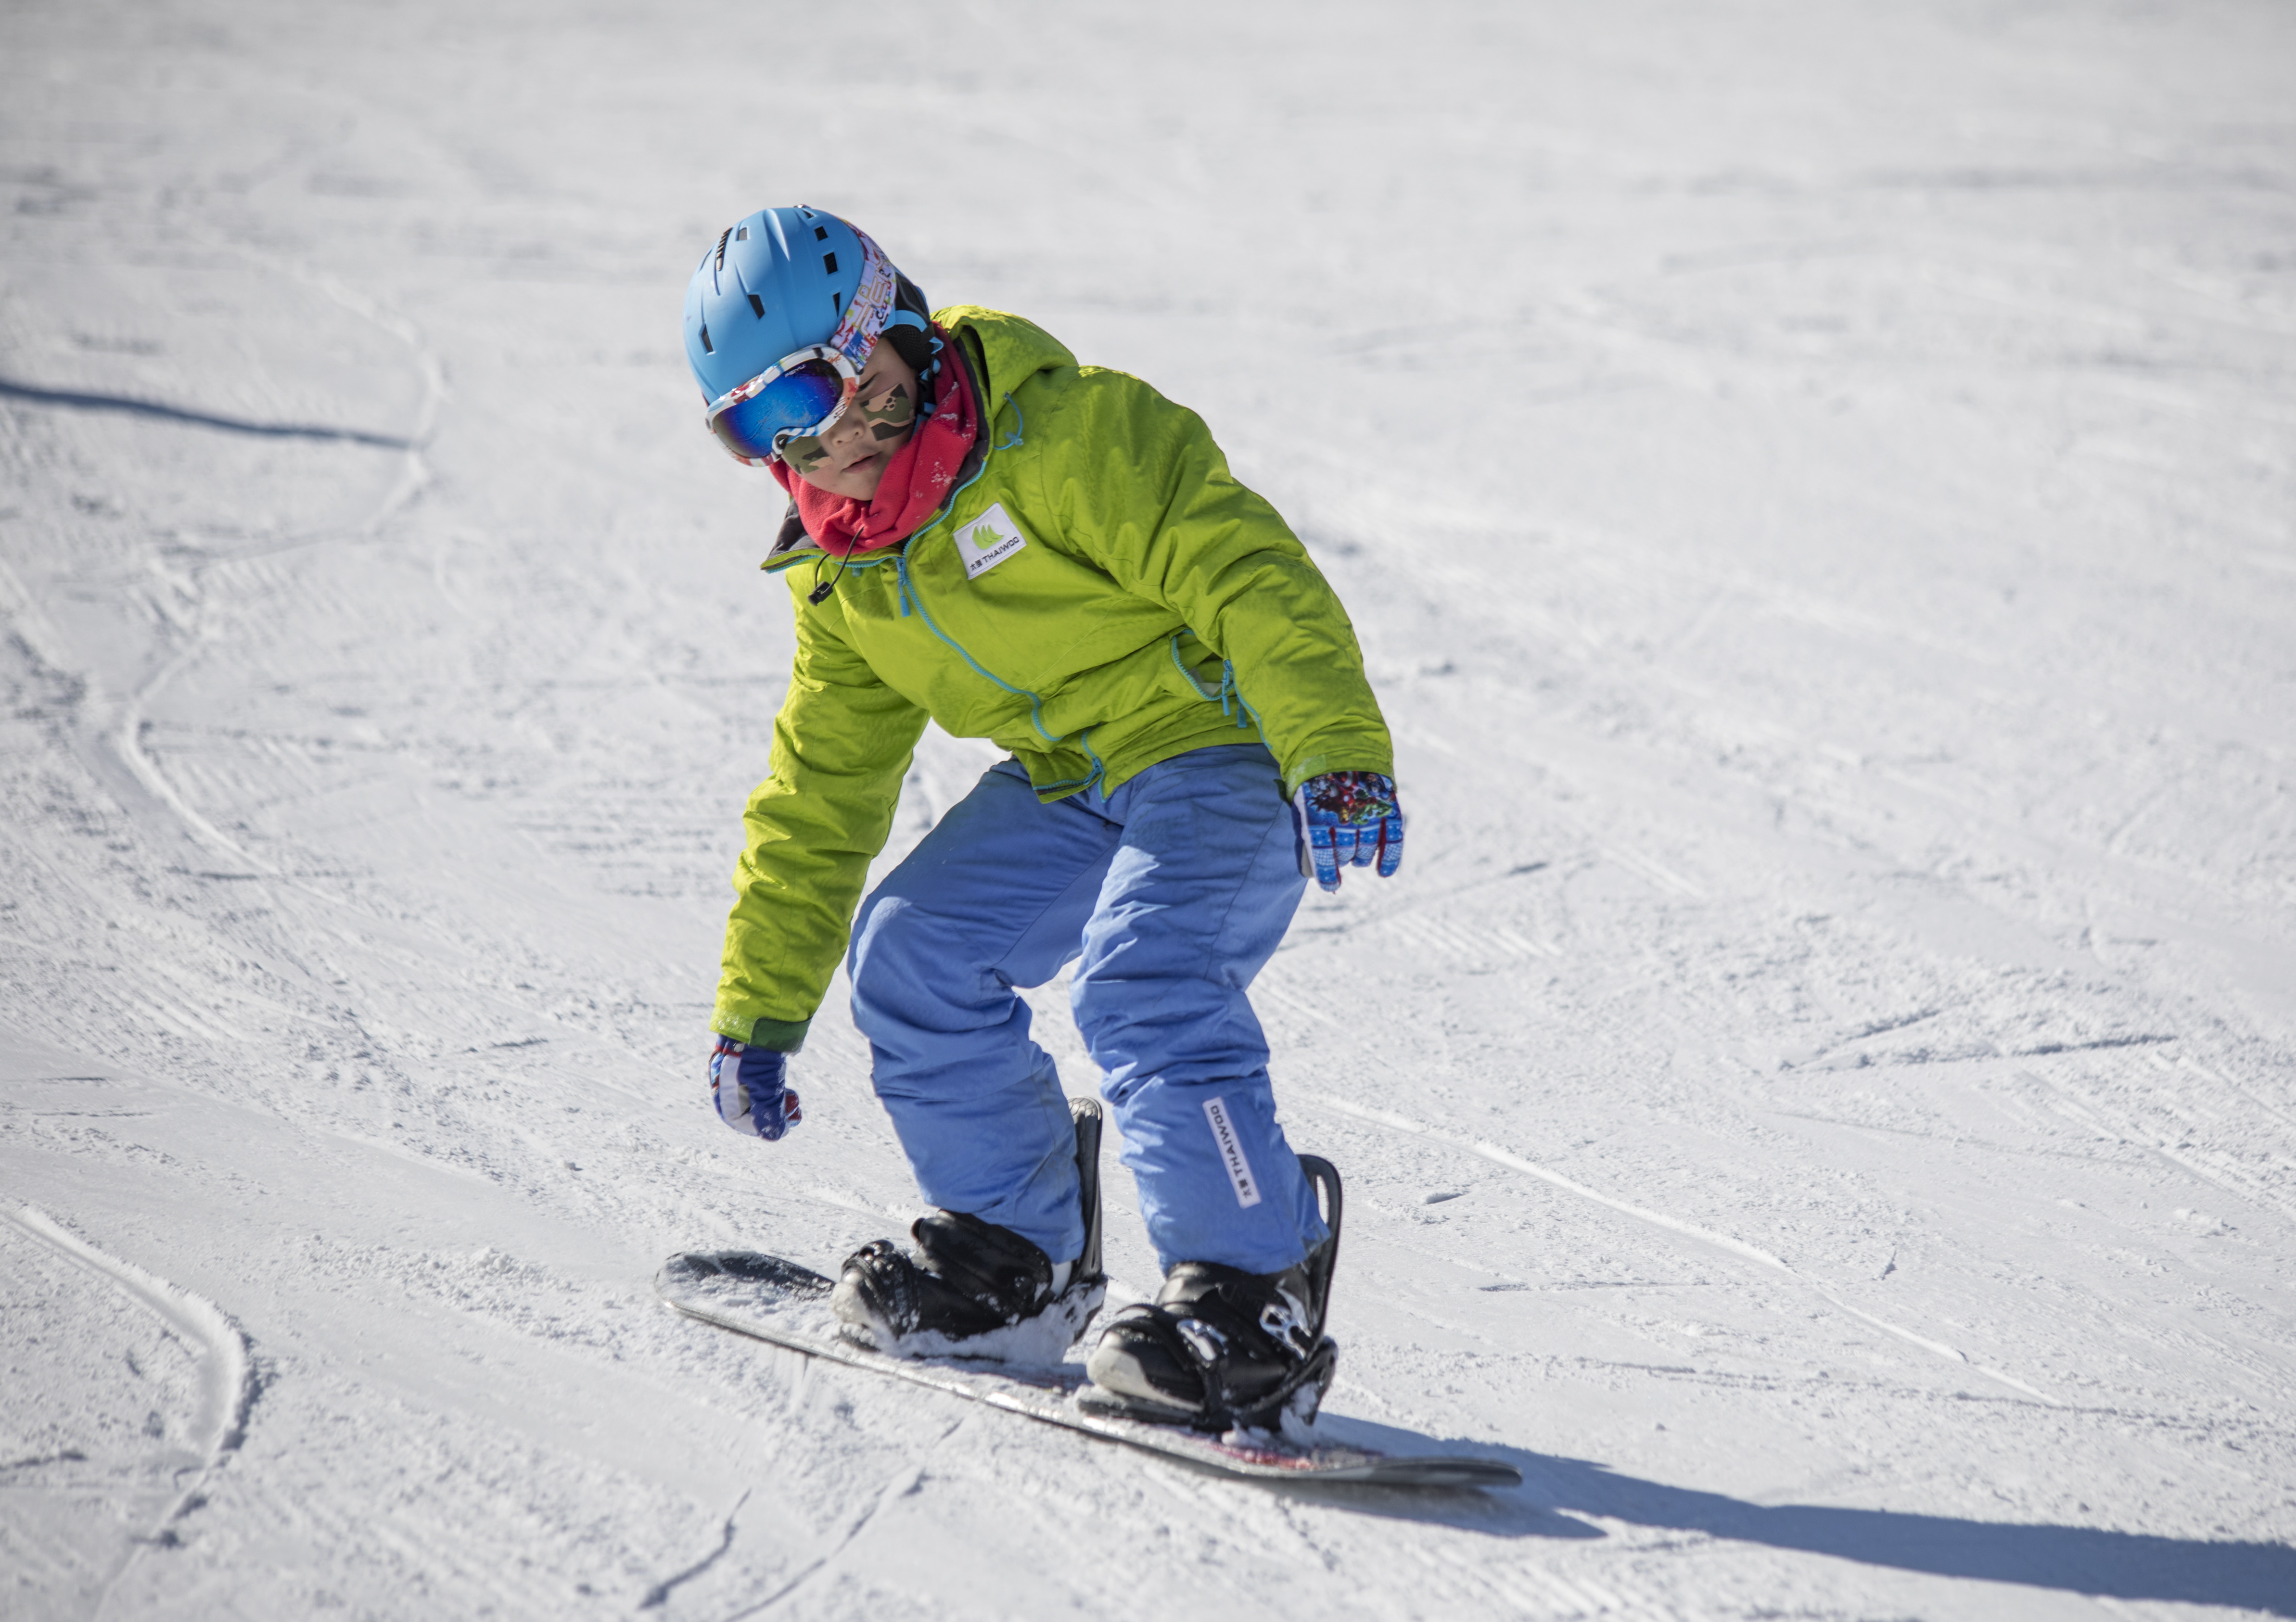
775 1035
1316 765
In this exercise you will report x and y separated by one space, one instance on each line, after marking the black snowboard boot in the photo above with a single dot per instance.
1220 1348
968 1278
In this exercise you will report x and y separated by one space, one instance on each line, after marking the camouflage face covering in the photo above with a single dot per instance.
889 417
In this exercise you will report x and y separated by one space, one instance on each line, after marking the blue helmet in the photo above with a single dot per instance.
790 291
784 279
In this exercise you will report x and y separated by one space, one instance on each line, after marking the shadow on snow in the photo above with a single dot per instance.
75 401
2078 1559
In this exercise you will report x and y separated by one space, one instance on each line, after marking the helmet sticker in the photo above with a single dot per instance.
863 316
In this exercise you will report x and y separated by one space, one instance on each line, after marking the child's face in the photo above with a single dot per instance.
850 458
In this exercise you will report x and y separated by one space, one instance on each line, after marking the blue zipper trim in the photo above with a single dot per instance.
1229 698
911 598
1191 676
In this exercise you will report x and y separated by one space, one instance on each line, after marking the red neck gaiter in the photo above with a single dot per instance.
916 482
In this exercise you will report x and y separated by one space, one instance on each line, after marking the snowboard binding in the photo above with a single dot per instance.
967 1280
1221 1350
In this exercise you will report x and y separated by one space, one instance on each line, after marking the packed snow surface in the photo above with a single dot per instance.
1816 484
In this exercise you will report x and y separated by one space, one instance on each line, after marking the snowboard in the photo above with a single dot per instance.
785 1304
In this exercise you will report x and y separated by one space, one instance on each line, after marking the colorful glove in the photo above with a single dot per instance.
751 1089
1347 817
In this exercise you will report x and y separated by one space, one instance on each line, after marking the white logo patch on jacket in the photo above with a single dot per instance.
988 541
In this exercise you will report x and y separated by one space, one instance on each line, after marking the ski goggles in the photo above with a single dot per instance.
800 396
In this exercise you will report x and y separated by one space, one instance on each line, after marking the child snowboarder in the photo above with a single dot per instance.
1055 558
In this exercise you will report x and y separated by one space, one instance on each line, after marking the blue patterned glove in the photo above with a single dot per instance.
751 1088
1345 818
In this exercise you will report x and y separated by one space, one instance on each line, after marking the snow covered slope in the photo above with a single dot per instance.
1816 485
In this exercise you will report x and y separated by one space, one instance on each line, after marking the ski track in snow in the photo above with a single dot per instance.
1690 1229
128 736
1812 487
227 1387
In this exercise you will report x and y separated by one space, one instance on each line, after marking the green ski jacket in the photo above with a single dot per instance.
1098 594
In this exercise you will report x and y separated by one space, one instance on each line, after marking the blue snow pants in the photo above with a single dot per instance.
1173 891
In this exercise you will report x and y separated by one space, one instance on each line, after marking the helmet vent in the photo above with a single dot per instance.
743 235
721 247
756 306
706 347
837 303
829 264
821 233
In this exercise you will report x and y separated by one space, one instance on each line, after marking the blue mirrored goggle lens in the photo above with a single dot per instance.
798 402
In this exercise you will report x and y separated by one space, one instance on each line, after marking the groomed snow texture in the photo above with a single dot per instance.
1816 484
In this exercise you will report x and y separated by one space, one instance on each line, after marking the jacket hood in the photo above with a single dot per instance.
1012 349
